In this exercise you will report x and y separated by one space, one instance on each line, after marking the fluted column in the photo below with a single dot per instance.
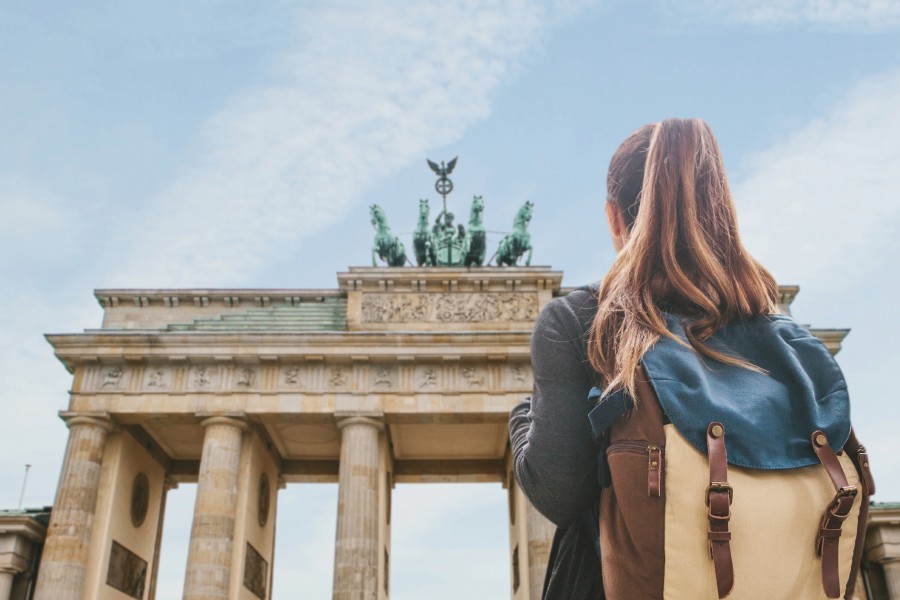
356 544
208 572
540 539
6 583
891 569
64 561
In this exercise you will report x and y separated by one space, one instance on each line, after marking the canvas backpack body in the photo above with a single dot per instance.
721 482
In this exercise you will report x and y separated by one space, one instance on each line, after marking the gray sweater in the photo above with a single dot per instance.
554 456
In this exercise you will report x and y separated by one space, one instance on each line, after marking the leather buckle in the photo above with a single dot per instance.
718 486
847 491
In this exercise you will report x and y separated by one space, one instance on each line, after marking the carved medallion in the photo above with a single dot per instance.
462 308
264 497
140 499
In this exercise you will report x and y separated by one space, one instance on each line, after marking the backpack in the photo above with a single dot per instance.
721 481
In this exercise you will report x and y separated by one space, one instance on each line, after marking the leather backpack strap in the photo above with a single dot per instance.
828 538
719 495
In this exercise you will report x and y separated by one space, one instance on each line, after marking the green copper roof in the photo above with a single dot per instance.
41 515
326 314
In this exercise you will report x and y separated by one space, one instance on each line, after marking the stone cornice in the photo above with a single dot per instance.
23 525
123 346
449 279
174 297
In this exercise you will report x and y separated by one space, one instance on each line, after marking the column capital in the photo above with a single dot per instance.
97 419
169 483
345 421
237 421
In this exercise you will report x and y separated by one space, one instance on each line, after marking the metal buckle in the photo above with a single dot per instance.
719 486
847 491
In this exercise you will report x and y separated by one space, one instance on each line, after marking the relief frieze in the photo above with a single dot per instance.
246 378
113 378
157 378
203 378
292 375
381 377
449 308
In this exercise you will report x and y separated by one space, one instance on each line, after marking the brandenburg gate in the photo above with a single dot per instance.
399 375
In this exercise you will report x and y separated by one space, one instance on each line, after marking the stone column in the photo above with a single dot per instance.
168 484
65 557
208 573
540 539
356 544
6 583
892 577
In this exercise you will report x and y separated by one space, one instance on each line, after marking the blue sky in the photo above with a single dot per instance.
226 144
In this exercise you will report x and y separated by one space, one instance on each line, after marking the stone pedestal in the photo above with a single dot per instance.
65 557
208 574
356 546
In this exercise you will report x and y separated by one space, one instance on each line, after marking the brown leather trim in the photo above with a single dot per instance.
835 513
632 523
860 458
718 498
857 453
654 471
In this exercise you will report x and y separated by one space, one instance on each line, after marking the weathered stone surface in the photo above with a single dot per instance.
208 573
64 560
356 544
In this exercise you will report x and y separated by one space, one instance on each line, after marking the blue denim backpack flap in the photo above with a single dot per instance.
769 416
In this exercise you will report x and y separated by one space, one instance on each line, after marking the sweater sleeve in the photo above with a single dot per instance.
554 456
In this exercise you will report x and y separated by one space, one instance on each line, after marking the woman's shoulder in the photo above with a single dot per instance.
573 310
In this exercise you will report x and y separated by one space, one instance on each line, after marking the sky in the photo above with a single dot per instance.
217 144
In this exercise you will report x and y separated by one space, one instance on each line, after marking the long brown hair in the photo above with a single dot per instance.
683 253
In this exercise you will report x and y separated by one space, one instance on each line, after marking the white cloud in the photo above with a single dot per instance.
368 88
824 202
874 14
821 208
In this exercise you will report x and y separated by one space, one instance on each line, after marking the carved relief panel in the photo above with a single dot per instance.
449 308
